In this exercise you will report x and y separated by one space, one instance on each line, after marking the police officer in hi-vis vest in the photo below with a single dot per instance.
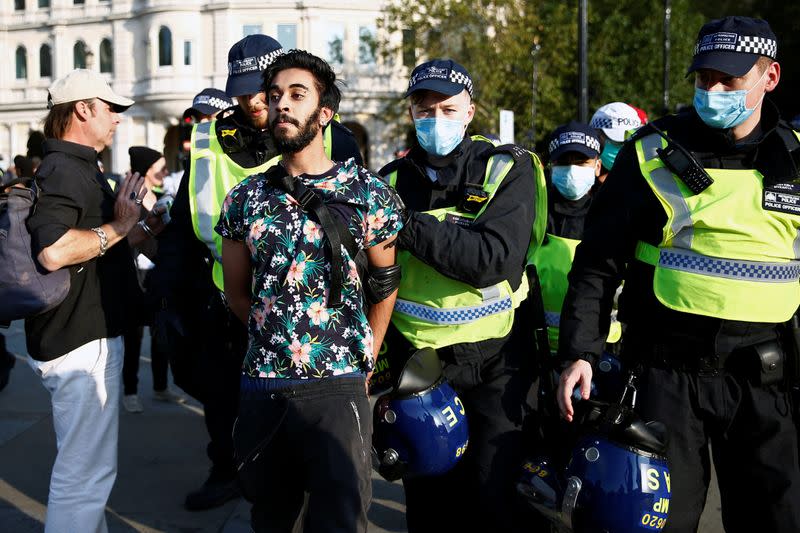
463 250
699 217
207 341
575 165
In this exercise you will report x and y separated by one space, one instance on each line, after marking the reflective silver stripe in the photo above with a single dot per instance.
797 245
453 316
490 293
552 319
205 196
738 269
682 226
498 165
201 136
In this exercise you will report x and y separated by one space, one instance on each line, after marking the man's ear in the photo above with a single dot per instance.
325 116
83 110
470 113
598 167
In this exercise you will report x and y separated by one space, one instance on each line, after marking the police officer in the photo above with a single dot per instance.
615 121
463 251
208 342
574 168
699 207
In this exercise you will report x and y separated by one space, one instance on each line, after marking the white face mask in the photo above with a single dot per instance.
573 181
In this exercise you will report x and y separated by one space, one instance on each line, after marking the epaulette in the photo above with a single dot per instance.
517 152
391 166
788 135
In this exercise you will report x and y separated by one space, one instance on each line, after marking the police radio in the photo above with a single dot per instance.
683 164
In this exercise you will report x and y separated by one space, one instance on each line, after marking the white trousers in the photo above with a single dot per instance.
84 386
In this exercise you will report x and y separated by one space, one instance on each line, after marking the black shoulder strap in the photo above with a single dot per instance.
337 234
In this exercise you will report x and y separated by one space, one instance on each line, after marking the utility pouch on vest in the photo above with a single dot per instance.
473 200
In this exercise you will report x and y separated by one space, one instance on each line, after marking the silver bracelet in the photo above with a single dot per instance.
103 241
142 224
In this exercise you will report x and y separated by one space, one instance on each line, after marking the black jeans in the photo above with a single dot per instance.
478 494
312 438
753 439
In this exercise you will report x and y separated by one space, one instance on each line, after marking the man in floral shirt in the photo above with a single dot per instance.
304 422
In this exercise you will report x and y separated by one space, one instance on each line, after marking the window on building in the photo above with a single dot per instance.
164 46
79 55
44 3
106 56
251 29
19 5
367 44
287 36
78 2
22 63
409 48
334 42
187 52
45 61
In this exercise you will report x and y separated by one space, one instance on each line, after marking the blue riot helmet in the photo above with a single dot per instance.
420 426
616 478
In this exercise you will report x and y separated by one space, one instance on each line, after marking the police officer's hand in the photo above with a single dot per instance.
578 373
128 207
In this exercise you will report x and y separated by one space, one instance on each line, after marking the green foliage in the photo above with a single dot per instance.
493 39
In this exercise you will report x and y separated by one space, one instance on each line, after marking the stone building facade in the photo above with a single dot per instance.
162 52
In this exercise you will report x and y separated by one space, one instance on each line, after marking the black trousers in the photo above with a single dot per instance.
159 358
479 494
314 439
220 360
753 439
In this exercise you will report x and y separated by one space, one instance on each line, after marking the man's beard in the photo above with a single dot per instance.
291 145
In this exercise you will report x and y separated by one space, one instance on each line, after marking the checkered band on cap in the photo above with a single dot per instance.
732 42
602 123
253 64
462 79
757 45
213 101
266 60
574 137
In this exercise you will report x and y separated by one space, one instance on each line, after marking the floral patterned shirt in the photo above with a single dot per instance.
292 332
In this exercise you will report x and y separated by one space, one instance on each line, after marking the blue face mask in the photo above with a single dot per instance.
609 155
573 181
439 136
724 109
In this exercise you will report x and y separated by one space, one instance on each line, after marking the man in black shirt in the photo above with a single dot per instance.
79 223
208 342
465 237
697 215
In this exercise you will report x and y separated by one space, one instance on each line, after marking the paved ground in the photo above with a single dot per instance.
161 457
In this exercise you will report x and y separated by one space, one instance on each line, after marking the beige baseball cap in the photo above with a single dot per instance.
83 84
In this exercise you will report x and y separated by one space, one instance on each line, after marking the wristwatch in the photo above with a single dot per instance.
103 241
